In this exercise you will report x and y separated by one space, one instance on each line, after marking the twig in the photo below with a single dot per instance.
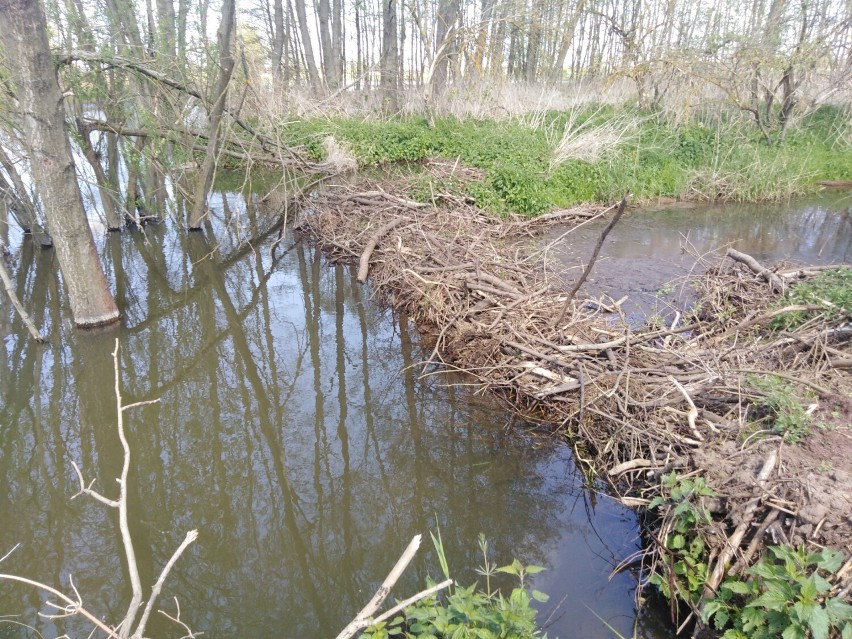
592 261
176 619
693 411
362 619
411 600
10 291
77 606
6 556
191 536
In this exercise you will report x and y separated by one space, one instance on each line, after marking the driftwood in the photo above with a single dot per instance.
364 263
758 269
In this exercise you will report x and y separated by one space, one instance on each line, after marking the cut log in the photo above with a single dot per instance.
364 262
758 269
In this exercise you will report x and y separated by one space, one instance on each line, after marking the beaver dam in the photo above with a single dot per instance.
729 425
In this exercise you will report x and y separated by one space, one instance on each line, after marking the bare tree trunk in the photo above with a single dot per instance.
198 211
107 191
23 205
183 9
448 16
485 19
310 63
567 39
390 55
277 48
23 30
166 29
328 64
534 42
337 35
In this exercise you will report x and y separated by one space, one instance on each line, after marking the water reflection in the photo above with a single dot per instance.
647 249
293 430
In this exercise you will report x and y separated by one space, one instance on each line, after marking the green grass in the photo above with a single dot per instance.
710 158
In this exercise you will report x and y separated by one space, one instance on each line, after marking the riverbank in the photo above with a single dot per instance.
710 425
534 162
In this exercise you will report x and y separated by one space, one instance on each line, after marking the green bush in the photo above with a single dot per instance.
830 290
786 595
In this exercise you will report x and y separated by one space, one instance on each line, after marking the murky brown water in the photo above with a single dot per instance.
293 431
648 249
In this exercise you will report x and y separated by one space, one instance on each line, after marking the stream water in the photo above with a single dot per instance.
650 250
293 430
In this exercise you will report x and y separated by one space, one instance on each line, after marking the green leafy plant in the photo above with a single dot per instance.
786 595
830 290
471 612
787 414
681 506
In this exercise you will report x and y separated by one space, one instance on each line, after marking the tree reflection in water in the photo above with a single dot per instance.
293 430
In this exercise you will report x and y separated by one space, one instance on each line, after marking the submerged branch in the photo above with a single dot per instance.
22 312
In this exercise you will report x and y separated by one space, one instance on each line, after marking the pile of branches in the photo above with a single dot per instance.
638 403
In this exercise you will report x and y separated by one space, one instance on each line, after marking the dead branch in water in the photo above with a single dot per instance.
592 259
365 618
126 628
13 297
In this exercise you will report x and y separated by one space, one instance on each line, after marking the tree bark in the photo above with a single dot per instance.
310 62
448 16
329 67
277 49
567 38
108 192
390 55
220 97
23 30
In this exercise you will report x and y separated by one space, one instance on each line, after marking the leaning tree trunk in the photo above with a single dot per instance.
23 32
220 97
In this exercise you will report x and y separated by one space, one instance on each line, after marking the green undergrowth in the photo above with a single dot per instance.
785 594
473 612
831 291
531 166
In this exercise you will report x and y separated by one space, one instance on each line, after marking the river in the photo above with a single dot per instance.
650 252
293 429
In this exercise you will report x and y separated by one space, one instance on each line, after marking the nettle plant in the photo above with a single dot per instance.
680 504
472 612
786 594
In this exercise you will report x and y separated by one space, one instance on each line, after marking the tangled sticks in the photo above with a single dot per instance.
644 402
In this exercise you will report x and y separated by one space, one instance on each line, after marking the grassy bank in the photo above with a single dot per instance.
557 159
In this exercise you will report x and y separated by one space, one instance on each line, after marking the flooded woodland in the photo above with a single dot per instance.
298 429
295 429
559 289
